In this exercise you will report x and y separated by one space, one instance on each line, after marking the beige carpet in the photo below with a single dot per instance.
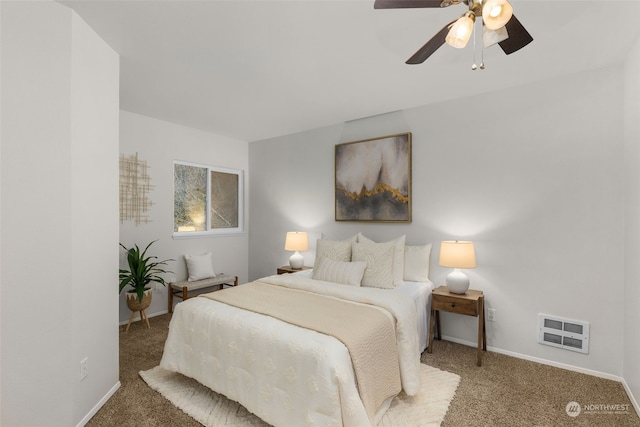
504 392
211 409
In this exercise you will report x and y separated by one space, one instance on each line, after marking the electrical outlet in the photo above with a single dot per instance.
491 314
84 368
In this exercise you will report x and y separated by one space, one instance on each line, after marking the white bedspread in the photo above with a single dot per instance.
420 293
286 375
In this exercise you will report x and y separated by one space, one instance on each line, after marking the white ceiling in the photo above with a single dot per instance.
253 70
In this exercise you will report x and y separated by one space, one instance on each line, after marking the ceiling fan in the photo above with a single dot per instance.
498 21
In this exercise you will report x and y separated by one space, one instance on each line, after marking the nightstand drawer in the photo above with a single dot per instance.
455 305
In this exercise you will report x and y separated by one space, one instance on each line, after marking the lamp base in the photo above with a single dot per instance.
296 260
457 282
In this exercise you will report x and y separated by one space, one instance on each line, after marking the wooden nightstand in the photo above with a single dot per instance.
471 303
285 269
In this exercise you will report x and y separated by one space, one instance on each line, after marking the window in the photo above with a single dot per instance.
206 200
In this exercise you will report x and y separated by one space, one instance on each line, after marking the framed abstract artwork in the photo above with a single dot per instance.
373 179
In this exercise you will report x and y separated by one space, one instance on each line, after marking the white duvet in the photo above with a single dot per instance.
286 375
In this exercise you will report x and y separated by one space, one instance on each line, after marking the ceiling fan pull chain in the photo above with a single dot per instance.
474 66
482 57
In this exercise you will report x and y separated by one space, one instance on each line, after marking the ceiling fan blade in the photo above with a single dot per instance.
518 36
400 4
431 46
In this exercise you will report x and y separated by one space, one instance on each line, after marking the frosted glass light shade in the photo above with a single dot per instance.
491 37
496 13
460 31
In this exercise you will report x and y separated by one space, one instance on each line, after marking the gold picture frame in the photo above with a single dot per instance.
373 179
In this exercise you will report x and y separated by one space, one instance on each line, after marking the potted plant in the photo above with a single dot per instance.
142 270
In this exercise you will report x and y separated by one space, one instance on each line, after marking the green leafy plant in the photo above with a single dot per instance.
142 270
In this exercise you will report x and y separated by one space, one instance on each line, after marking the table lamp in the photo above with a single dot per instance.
457 254
296 241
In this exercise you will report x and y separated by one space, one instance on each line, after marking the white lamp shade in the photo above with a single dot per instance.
296 241
496 13
460 32
457 254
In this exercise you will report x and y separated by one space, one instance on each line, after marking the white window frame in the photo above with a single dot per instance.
208 232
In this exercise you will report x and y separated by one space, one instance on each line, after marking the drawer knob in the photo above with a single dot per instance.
453 304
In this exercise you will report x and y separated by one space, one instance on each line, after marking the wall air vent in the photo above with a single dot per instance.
563 333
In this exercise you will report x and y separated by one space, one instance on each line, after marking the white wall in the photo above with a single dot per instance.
631 353
533 175
1 215
159 143
94 211
59 225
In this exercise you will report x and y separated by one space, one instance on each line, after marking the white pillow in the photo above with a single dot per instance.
336 250
379 259
398 257
416 263
346 273
199 267
361 238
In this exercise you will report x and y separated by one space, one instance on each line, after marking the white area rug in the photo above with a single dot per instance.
211 409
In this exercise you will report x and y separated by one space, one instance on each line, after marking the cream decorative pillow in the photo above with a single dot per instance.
379 259
199 267
361 238
346 273
416 263
398 257
336 250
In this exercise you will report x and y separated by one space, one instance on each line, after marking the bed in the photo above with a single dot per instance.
287 374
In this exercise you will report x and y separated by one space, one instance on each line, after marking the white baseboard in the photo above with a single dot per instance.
634 402
557 365
539 360
157 313
99 405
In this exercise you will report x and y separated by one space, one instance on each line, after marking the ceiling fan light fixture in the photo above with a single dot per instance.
496 13
461 30
491 37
